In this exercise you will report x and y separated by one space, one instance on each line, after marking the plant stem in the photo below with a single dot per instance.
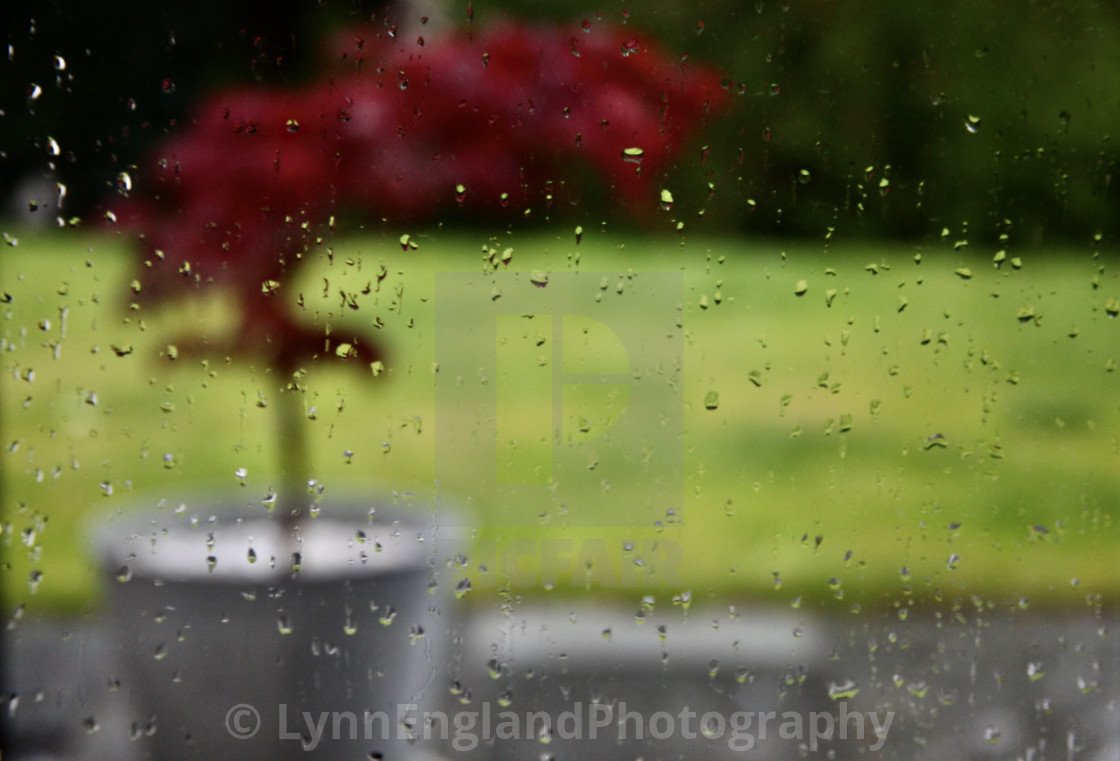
291 501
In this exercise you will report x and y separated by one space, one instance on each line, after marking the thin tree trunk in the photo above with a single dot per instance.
293 497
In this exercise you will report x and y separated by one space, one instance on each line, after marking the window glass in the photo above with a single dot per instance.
481 379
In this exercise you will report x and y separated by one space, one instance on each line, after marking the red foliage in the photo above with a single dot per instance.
235 198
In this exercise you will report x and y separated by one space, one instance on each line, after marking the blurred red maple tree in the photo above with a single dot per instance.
486 122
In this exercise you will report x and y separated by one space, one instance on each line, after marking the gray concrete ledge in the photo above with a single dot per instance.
993 686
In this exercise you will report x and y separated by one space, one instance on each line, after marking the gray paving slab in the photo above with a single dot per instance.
977 685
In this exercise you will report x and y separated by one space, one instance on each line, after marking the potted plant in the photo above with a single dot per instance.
254 618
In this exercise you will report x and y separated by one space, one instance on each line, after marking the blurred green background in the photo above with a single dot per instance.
914 405
938 174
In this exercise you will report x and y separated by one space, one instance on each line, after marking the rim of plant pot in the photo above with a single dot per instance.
217 537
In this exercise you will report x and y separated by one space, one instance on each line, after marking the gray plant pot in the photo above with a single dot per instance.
227 655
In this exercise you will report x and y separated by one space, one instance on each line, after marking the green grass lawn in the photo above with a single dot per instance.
931 413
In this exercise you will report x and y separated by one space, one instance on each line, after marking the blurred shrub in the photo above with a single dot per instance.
899 119
486 124
881 119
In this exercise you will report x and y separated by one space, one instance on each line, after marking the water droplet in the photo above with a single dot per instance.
666 199
992 734
972 124
843 691
803 177
629 47
954 561
633 155
124 575
801 288
937 440
539 278
711 400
